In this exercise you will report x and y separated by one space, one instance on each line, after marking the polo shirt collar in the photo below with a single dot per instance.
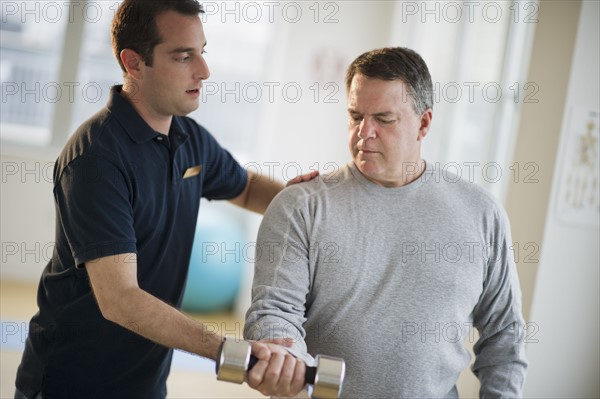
136 127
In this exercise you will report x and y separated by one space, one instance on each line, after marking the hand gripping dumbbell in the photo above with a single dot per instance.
234 359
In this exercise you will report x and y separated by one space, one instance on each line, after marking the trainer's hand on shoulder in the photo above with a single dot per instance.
277 372
303 178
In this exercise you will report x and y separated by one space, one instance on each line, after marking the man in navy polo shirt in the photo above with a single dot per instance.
127 189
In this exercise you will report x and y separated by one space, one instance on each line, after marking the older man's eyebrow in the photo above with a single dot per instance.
386 113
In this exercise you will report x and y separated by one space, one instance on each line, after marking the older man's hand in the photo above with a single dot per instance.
277 372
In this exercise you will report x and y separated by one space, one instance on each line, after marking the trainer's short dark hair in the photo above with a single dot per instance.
396 63
134 25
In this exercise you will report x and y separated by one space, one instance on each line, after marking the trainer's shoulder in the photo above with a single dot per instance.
95 136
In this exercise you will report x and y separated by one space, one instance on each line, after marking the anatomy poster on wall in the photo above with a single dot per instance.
578 202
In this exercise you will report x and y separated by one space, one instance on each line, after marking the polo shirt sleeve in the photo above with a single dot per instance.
224 177
94 209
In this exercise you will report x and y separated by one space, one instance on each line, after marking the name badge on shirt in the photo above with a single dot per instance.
193 171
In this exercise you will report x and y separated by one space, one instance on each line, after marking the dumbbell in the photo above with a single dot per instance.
234 359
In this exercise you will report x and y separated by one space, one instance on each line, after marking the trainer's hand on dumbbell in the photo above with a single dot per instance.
277 372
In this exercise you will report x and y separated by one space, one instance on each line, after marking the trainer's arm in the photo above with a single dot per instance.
122 301
260 191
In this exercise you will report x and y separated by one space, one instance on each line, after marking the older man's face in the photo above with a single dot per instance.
385 133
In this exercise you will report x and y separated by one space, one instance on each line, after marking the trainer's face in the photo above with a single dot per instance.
385 132
172 84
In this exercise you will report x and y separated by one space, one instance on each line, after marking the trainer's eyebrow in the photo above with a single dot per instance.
186 49
182 50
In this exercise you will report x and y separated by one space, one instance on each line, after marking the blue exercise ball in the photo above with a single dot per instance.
216 264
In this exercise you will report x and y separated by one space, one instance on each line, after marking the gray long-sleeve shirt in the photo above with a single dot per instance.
393 280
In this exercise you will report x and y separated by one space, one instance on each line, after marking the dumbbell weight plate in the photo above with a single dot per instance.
232 361
330 378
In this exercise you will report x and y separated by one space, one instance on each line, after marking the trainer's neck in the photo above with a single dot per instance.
158 122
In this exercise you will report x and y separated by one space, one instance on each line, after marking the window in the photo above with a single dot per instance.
477 53
98 69
57 69
31 43
236 55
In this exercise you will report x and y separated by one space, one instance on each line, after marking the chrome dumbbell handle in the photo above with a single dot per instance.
311 372
234 359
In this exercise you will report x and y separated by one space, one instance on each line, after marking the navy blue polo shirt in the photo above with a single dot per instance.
119 187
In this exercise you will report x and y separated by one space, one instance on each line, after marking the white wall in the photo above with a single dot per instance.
564 362
313 130
27 212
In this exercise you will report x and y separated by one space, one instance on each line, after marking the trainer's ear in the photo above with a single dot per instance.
426 118
133 63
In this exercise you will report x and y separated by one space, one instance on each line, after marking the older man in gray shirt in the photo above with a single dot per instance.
388 263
